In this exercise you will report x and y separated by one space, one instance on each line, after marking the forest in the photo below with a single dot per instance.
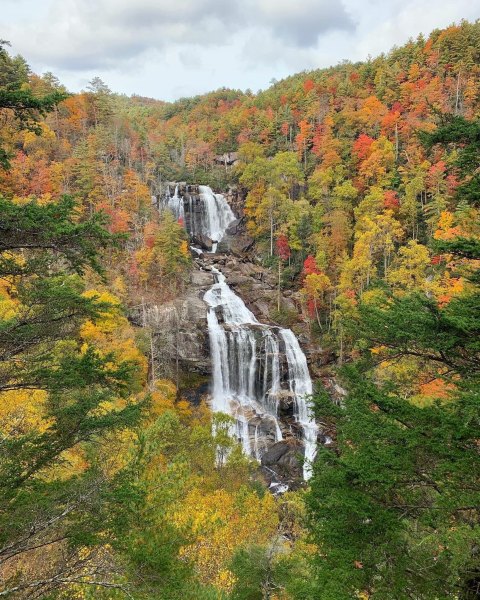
357 191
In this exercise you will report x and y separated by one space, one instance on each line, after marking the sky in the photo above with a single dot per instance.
168 49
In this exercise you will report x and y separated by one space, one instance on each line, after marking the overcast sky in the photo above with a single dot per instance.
172 48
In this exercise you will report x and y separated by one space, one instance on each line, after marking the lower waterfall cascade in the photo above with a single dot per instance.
250 377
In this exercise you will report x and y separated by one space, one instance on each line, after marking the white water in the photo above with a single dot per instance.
254 365
301 387
208 215
247 378
235 347
175 204
216 215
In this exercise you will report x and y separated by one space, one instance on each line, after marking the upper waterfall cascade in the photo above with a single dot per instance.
254 366
208 214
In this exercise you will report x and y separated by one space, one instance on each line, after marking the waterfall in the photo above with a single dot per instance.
247 373
175 204
215 216
300 385
207 215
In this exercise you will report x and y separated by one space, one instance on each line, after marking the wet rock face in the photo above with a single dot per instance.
179 330
187 203
282 463
191 341
236 241
202 241
275 453
286 406
180 327
205 214
256 285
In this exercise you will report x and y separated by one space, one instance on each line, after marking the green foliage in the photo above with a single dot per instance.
395 513
85 393
282 171
285 317
49 231
463 136
168 243
460 246
252 569
447 336
16 98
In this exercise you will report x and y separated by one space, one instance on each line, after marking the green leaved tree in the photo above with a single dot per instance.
395 508
78 394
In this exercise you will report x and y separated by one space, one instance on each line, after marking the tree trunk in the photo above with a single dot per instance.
340 357
457 95
317 314
279 282
271 234
396 142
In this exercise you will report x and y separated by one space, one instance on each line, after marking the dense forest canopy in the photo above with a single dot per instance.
360 186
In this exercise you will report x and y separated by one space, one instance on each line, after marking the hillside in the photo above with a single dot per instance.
340 244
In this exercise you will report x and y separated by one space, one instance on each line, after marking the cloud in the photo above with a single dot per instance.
88 34
262 47
168 48
186 12
101 34
381 24
190 58
301 23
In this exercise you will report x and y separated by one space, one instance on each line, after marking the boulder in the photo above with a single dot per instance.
235 280
202 279
203 242
282 463
275 453
261 308
240 244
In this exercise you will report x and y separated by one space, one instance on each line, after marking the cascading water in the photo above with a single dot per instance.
176 205
255 366
207 215
247 373
216 215
300 385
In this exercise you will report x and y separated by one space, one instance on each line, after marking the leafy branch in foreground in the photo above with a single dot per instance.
76 393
